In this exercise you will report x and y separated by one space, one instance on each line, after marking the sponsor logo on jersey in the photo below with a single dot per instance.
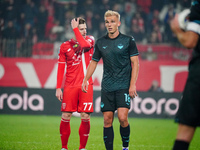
76 45
104 47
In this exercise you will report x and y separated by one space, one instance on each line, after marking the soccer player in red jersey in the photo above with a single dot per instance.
76 55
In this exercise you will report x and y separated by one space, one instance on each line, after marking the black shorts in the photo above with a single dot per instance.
110 101
189 109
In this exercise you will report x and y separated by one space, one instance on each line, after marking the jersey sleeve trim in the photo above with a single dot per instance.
97 60
134 54
192 26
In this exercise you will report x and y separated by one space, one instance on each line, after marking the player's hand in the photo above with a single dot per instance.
132 91
75 23
174 24
85 86
59 94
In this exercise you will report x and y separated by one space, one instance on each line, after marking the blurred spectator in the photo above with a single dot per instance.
10 11
136 32
56 31
102 30
129 12
10 34
153 39
153 19
137 27
145 4
41 22
168 17
157 5
27 41
90 21
67 34
83 6
68 16
49 6
103 7
49 25
156 35
155 87
29 11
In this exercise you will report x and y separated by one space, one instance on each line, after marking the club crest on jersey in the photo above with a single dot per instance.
63 105
120 46
102 104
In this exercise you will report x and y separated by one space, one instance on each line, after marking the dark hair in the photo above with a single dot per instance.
81 20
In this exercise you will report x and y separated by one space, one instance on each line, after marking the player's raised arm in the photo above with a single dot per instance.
188 39
79 27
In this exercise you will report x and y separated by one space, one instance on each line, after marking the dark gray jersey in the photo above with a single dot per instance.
116 55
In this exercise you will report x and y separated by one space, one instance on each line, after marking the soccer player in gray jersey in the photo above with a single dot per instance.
121 66
188 115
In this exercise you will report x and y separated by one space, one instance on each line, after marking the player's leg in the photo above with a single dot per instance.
84 129
85 107
123 106
108 133
184 136
124 126
65 129
108 109
188 115
69 105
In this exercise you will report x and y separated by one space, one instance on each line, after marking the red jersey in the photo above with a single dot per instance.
77 56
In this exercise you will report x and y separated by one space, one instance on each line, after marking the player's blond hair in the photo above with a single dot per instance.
112 13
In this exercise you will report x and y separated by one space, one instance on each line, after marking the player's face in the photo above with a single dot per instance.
112 23
82 28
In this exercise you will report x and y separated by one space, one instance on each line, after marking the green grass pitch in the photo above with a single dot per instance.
29 132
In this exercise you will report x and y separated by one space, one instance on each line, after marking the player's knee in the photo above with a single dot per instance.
66 116
123 121
108 121
85 115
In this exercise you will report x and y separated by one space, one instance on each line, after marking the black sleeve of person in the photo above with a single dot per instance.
195 12
133 48
97 54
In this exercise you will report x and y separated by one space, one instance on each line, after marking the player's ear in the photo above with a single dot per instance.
119 23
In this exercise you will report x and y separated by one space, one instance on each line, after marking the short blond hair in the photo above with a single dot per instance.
109 13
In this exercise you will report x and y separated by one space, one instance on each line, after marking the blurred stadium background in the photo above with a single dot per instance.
31 32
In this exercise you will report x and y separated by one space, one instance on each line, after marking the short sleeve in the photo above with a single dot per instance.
194 17
133 48
62 55
97 54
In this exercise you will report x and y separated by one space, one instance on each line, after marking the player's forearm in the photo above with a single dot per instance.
60 74
90 70
83 43
135 71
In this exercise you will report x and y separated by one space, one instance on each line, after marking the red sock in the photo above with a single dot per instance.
64 132
84 131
